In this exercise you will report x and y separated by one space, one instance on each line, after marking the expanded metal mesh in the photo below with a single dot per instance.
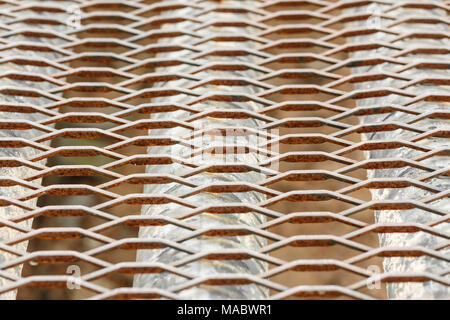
224 149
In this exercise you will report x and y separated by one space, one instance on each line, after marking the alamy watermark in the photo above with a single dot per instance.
74 19
74 282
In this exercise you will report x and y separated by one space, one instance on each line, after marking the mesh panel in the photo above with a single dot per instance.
224 149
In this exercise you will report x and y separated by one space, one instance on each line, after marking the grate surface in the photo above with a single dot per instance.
224 149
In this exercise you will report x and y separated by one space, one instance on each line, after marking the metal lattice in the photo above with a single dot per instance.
224 149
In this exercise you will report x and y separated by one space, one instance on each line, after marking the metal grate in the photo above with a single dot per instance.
224 149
